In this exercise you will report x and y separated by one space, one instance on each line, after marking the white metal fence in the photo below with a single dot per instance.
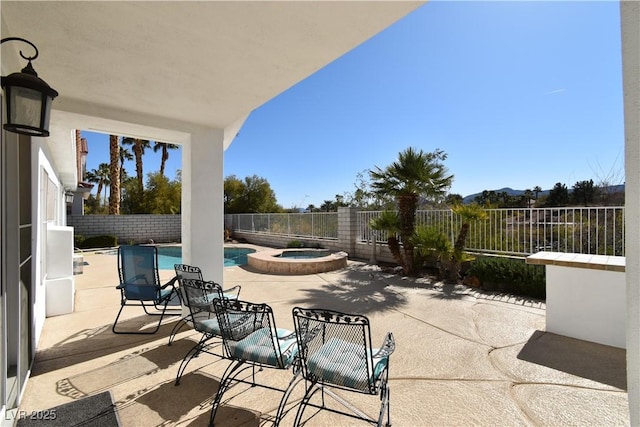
585 230
322 225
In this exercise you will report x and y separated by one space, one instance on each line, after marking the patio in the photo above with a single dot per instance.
462 358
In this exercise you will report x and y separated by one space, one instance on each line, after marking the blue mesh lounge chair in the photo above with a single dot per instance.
140 284
335 352
184 271
199 296
251 341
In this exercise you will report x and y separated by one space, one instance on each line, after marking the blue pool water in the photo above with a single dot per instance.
170 255
302 254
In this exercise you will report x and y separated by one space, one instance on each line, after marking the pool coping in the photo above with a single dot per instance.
268 261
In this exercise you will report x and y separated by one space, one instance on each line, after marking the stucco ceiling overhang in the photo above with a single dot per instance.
180 64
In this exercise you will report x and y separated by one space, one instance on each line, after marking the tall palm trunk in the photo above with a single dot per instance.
114 175
394 248
462 239
165 157
99 192
138 151
407 205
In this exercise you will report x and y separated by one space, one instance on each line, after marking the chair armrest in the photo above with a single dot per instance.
288 336
132 281
234 290
170 282
387 347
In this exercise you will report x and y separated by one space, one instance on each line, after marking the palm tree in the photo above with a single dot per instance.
467 214
537 190
124 155
165 147
528 194
138 146
413 175
114 175
101 177
389 222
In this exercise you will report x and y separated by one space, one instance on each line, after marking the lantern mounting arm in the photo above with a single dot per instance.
28 58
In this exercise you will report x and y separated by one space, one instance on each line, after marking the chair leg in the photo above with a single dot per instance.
229 375
193 352
283 402
113 328
179 325
311 390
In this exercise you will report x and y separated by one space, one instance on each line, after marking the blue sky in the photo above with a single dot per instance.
517 94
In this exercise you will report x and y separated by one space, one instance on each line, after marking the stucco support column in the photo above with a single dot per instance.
630 28
202 203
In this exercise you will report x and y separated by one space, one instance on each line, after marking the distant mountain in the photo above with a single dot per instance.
511 192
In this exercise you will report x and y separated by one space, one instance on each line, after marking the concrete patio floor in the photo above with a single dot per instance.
462 357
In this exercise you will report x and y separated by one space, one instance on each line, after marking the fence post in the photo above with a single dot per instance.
348 229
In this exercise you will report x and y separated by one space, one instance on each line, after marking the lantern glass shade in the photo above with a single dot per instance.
68 196
28 111
28 99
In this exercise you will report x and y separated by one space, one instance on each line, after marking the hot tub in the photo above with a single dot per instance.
296 261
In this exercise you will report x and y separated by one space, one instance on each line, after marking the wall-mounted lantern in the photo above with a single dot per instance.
68 196
28 98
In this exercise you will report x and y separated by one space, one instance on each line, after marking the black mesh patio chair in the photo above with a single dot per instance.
252 340
199 296
140 285
184 271
335 352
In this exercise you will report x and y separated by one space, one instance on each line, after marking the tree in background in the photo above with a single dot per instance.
164 147
132 198
333 205
99 176
162 196
415 174
584 193
558 196
114 175
233 190
253 195
528 195
488 199
124 155
454 199
536 191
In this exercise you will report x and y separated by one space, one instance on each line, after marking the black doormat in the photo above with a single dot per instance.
93 411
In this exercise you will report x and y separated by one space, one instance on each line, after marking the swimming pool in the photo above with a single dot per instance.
170 255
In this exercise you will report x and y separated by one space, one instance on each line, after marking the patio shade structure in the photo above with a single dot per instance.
214 63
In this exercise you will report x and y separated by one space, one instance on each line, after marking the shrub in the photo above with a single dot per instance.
295 244
99 242
298 244
78 239
510 275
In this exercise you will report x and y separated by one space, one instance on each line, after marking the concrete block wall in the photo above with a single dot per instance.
129 228
167 228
